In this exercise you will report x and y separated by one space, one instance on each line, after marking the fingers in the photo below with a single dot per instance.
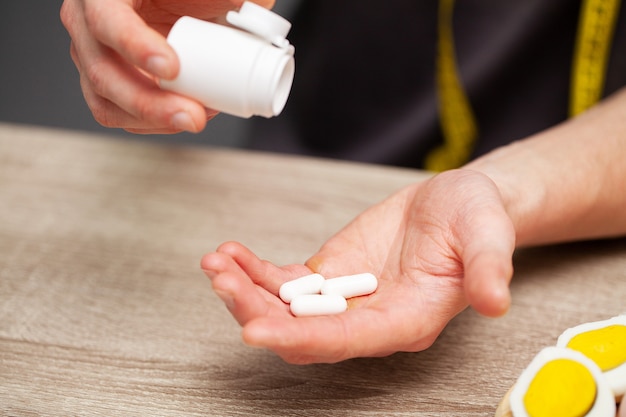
242 297
301 341
118 26
120 52
263 273
113 48
395 318
361 332
244 300
119 96
210 114
376 325
246 284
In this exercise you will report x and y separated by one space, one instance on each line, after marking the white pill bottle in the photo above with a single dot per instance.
243 67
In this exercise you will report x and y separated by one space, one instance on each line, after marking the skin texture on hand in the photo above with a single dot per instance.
120 51
566 183
434 246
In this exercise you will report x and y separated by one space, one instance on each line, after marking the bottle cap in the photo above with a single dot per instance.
262 22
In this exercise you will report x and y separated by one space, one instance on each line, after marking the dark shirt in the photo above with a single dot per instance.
364 87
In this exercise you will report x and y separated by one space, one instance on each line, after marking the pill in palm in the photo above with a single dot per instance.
317 305
351 285
308 284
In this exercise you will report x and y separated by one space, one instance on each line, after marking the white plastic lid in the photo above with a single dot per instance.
262 22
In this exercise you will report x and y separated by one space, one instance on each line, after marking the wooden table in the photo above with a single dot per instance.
104 310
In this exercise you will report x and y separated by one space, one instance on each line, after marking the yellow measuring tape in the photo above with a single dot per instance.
591 56
457 120
460 131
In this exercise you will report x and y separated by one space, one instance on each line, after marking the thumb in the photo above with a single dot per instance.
487 277
488 263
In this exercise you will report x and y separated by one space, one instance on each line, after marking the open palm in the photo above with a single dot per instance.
435 247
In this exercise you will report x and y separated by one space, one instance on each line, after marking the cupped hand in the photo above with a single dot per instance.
435 246
120 50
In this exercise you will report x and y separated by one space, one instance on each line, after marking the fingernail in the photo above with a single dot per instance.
210 113
158 66
314 263
183 121
209 273
227 298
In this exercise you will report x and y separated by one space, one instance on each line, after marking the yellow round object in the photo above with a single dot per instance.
561 388
605 346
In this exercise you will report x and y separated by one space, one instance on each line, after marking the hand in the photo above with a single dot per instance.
120 50
435 246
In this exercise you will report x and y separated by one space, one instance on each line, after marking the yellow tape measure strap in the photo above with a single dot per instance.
457 120
593 45
591 55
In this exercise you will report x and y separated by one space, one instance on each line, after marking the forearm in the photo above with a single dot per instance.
568 182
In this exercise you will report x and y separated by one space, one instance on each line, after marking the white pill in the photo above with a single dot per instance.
308 284
351 285
317 305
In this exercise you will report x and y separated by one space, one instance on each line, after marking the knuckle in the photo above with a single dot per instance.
66 15
144 108
92 18
150 109
100 108
70 19
96 75
119 34
101 114
74 55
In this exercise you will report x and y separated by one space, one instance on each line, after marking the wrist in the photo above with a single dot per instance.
521 189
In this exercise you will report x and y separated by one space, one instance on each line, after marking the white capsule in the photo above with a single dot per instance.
351 285
318 305
308 284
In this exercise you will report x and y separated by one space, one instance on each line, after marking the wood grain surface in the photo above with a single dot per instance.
105 312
